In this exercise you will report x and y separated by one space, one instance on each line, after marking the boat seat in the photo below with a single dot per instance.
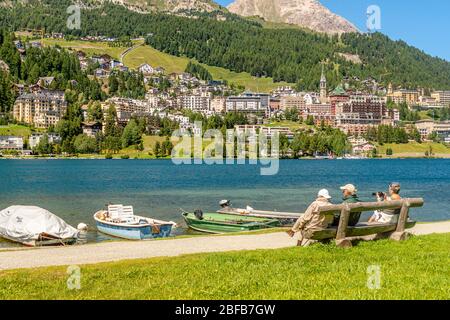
121 213
114 211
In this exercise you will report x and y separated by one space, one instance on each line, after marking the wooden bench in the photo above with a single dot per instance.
343 233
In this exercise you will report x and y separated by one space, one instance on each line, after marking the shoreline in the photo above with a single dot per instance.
130 250
444 157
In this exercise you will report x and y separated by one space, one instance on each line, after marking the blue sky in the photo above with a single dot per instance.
423 24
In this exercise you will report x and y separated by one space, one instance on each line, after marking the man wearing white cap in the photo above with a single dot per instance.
312 220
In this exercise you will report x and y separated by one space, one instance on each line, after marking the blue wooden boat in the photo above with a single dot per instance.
120 221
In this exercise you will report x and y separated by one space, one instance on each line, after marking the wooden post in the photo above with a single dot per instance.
341 240
400 234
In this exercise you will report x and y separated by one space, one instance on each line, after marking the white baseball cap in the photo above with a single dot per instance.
324 194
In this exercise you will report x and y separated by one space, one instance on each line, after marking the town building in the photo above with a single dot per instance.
42 108
146 69
218 104
339 95
292 102
126 108
410 97
269 132
248 103
427 127
195 102
363 149
35 138
442 97
284 91
11 143
92 128
361 112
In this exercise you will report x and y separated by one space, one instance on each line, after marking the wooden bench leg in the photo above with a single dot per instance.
400 234
344 243
341 240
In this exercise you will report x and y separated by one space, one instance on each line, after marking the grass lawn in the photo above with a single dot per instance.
414 269
424 115
414 148
155 58
293 126
89 47
15 130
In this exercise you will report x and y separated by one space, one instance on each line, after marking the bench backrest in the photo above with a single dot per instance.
346 208
371 206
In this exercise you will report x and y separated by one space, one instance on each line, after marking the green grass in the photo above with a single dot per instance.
155 58
293 126
414 269
414 149
424 115
89 47
15 130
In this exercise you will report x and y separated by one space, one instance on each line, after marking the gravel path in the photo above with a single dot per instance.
125 250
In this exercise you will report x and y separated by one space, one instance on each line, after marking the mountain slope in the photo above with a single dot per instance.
240 45
305 13
170 6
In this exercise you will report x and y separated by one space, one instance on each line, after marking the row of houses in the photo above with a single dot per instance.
17 143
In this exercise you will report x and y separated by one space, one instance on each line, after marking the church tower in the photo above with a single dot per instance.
323 87
390 88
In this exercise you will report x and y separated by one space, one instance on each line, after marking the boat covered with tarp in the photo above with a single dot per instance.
34 226
224 223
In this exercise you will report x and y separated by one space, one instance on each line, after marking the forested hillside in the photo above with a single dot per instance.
241 45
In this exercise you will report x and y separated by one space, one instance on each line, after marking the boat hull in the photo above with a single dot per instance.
134 233
221 223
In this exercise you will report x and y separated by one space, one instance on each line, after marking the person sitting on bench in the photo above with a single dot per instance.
348 196
312 220
388 215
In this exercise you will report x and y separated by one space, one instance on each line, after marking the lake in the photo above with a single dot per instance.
75 189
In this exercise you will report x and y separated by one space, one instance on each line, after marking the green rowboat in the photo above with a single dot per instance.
225 223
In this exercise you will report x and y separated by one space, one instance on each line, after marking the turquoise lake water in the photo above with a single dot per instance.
75 189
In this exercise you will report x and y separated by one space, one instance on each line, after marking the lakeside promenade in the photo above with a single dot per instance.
127 250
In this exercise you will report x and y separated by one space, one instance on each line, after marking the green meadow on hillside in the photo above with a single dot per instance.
172 64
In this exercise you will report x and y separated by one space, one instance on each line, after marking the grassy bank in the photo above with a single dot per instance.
415 269
15 130
414 149
89 47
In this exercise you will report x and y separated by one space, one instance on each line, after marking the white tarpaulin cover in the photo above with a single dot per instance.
24 224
